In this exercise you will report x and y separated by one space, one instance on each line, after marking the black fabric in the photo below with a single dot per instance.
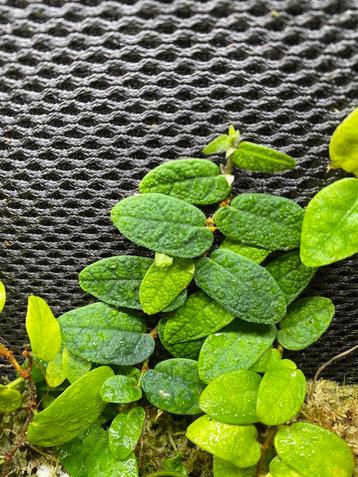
95 93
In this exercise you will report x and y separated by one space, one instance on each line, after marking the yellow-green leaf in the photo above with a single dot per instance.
343 148
54 372
2 296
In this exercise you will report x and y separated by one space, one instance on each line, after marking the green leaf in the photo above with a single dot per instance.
219 144
179 301
106 465
222 468
197 181
55 374
187 349
257 158
43 329
125 431
77 407
10 399
262 220
174 386
162 285
270 358
314 451
121 389
278 468
235 444
241 286
116 280
197 318
162 260
175 464
238 346
306 320
101 334
231 398
343 148
330 224
255 254
291 274
281 394
2 296
163 224
73 366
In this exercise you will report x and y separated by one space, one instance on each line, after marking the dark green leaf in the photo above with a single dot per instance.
261 159
343 148
222 468
121 389
186 349
255 254
125 432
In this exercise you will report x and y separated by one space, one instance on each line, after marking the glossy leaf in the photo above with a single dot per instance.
238 346
55 374
279 468
186 349
101 334
197 181
222 468
312 450
291 274
177 302
231 398
2 296
254 157
306 320
125 431
241 286
121 389
262 220
235 444
43 329
343 148
330 224
116 280
255 254
174 386
281 394
162 285
10 399
69 414
270 358
163 224
73 366
197 318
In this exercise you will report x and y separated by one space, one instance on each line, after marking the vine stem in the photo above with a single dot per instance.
265 447
165 473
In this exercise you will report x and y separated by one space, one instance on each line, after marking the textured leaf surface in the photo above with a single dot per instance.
10 399
262 220
343 148
235 444
197 181
222 468
55 374
312 450
261 159
161 285
125 431
121 389
306 321
73 366
101 334
75 409
177 302
281 394
270 358
2 296
238 346
241 286
258 255
174 386
43 329
231 398
163 224
291 274
116 280
197 318
219 144
279 468
186 349
330 224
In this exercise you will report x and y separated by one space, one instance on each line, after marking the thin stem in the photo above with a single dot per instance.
165 473
228 167
264 448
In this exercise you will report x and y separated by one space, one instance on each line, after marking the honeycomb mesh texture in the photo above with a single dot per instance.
95 93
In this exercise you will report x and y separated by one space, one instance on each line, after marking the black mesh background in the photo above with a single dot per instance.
95 93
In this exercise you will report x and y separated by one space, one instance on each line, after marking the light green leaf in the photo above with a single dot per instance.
174 386
121 389
306 320
69 414
162 285
186 349
101 334
163 224
116 280
55 374
73 366
235 444
343 148
125 431
281 394
43 329
241 286
175 464
231 398
314 451
238 346
270 358
278 468
255 254
2 296
262 220
162 260
257 158
291 274
179 301
10 399
222 468
330 224
197 318
197 181
219 144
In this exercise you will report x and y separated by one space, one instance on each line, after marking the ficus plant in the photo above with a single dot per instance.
224 312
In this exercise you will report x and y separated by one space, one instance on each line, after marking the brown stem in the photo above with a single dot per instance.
9 356
260 471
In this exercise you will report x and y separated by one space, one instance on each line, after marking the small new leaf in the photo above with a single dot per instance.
121 389
261 159
10 399
343 148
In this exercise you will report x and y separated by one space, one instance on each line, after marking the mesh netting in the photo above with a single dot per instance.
95 93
